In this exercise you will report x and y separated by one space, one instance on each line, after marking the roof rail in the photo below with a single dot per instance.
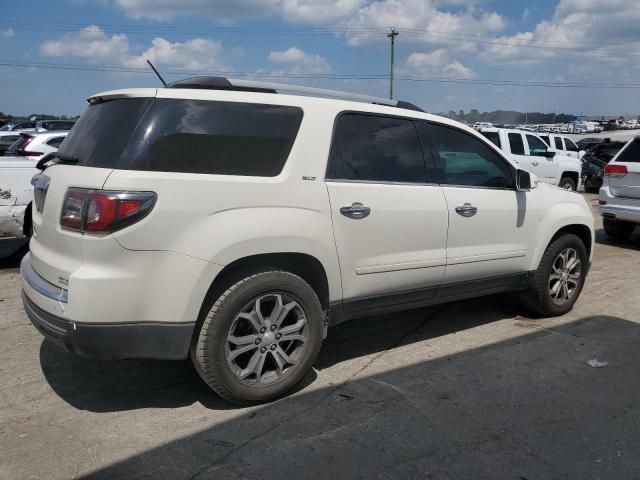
222 83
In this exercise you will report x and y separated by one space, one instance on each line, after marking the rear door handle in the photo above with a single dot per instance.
466 210
356 211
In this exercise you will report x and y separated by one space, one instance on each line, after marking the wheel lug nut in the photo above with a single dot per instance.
258 341
273 346
278 335
273 327
262 330
263 349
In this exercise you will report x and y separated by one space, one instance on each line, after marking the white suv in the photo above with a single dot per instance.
224 220
620 193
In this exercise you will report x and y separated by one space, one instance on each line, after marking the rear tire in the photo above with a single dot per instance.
564 264
568 183
259 338
618 230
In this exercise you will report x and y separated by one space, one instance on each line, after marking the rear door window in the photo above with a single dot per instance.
545 139
494 137
190 136
376 148
558 141
516 143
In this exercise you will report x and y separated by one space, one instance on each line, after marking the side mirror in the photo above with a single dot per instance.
550 153
523 181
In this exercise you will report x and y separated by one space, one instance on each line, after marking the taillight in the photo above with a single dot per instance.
614 170
22 149
100 211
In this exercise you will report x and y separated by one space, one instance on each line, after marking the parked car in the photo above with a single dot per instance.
595 160
585 143
563 144
13 126
16 191
54 125
619 197
239 236
481 125
36 145
531 153
7 139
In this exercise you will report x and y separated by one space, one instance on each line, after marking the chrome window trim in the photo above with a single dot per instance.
39 284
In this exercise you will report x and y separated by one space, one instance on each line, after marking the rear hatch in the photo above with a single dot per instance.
87 157
627 185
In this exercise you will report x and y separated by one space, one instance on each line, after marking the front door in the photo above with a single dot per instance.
390 223
490 223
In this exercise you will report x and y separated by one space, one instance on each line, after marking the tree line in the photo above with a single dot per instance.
508 116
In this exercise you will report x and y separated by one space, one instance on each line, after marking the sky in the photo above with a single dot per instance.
570 56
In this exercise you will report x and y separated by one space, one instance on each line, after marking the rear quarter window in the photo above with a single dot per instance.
631 154
187 136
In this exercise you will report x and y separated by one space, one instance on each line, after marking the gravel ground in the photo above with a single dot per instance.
466 390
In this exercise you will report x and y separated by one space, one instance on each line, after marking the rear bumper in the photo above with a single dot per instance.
113 341
619 208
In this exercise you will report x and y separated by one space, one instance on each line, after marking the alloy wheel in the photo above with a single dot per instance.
565 276
267 338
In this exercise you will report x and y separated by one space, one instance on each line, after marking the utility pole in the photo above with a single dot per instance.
392 35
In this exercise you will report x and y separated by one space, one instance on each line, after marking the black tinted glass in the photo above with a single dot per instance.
196 136
558 141
494 137
464 160
536 146
631 153
572 147
55 142
384 149
545 139
516 144
100 136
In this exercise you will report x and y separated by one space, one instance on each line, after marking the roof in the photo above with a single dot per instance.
229 84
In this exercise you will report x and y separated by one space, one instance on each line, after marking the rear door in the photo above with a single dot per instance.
390 220
627 185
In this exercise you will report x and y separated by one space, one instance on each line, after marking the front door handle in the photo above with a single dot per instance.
534 163
466 210
356 211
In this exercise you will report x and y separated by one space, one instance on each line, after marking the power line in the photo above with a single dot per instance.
551 45
312 76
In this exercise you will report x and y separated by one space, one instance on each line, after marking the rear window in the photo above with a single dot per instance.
516 144
190 136
494 137
631 154
24 140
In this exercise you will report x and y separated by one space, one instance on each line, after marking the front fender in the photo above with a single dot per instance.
558 216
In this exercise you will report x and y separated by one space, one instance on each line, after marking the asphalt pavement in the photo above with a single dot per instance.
468 390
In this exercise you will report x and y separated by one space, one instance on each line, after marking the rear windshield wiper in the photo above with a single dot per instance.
62 158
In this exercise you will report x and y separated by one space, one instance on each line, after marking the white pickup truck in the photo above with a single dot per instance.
532 154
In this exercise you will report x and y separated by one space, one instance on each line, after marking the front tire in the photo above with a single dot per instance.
259 338
559 279
568 183
617 230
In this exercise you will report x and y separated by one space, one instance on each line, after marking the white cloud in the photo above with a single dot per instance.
603 28
219 10
319 11
92 44
300 61
436 63
7 33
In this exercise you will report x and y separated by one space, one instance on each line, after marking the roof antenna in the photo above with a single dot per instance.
156 72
